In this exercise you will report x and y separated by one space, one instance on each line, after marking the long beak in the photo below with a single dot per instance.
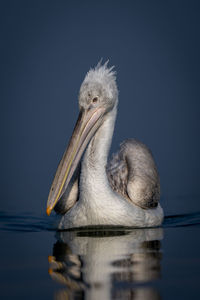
87 124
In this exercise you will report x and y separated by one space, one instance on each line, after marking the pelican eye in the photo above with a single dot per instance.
95 99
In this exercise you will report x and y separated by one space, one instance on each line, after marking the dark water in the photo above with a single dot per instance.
37 262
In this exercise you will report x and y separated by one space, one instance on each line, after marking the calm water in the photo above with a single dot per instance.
37 262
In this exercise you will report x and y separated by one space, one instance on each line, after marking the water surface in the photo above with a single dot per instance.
38 262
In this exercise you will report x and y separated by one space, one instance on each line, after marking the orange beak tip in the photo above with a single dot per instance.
48 211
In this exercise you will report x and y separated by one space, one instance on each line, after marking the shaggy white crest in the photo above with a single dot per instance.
99 82
102 74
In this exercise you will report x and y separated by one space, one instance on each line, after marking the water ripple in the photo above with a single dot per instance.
190 219
27 222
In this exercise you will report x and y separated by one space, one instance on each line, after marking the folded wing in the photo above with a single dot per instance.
133 174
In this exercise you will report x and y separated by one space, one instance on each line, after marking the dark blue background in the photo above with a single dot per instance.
45 51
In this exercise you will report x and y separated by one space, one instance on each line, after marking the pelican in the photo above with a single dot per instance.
87 190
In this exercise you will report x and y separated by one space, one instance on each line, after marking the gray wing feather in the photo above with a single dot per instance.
132 173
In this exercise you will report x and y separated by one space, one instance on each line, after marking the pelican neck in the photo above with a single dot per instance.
93 168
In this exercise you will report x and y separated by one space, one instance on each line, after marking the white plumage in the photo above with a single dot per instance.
123 192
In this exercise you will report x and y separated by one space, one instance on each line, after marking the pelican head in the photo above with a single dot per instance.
99 89
98 96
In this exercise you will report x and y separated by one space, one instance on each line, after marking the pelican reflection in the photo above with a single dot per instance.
107 264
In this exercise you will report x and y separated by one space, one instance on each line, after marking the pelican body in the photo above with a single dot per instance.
87 189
